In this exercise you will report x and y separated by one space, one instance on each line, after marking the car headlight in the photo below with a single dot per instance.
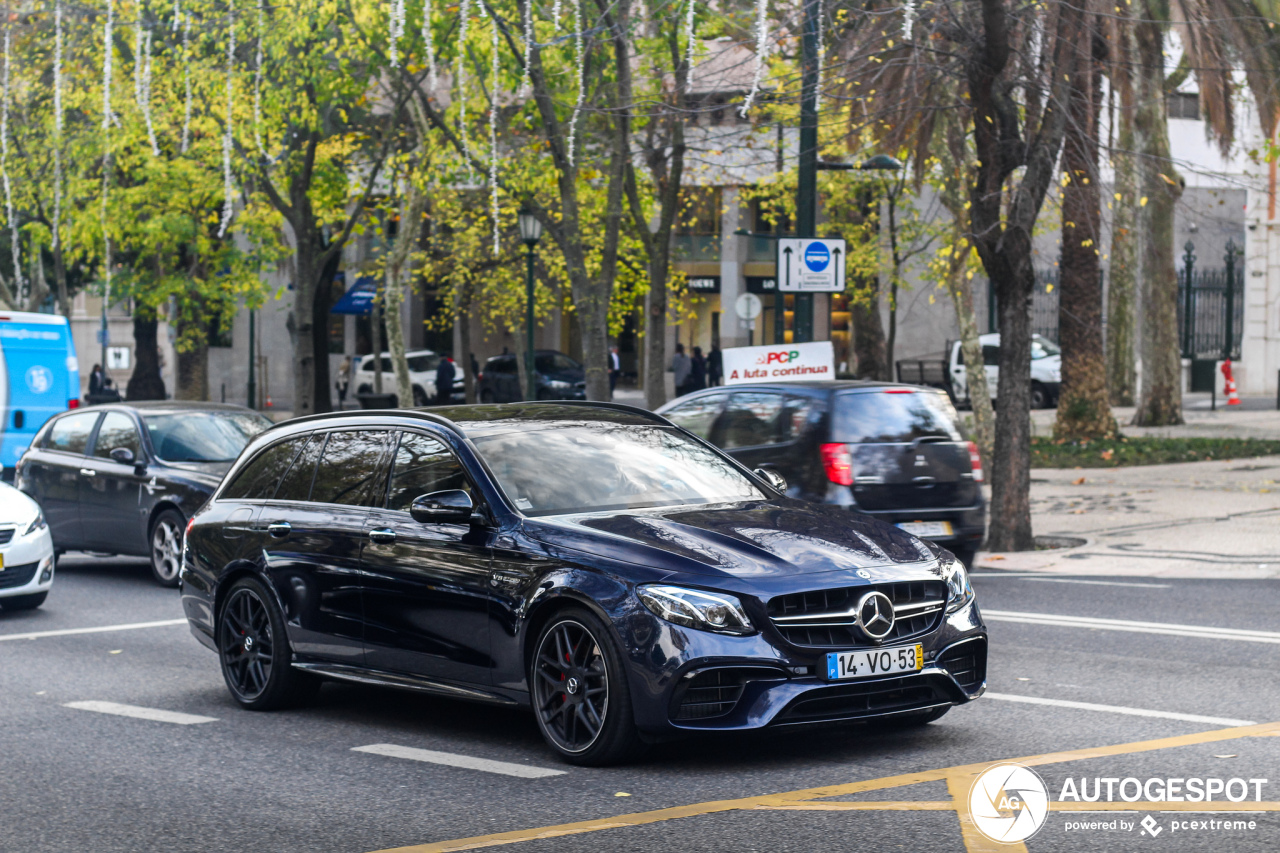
693 608
37 523
959 590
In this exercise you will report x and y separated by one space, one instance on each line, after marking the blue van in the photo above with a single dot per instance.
39 377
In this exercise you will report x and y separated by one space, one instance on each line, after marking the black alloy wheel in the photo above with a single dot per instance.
580 694
166 547
1039 396
254 651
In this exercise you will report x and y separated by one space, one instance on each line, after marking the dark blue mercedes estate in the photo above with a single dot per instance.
616 573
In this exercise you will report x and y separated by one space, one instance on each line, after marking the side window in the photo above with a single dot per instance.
751 419
423 465
796 416
991 356
117 430
71 434
501 365
296 485
697 416
258 480
348 465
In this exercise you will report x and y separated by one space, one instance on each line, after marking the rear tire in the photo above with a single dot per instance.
24 602
254 654
420 397
166 547
581 698
1039 396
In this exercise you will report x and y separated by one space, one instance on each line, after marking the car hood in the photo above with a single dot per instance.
758 539
16 507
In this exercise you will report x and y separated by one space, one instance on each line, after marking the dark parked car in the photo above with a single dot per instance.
124 478
892 451
559 377
620 576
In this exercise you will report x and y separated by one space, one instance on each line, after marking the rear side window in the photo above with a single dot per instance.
697 416
991 356
348 465
423 465
71 434
258 480
296 485
501 365
893 416
796 417
751 419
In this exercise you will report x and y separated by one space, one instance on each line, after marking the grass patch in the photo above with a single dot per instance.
1114 453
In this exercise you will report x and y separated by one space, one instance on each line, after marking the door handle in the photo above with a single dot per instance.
382 536
88 472
279 529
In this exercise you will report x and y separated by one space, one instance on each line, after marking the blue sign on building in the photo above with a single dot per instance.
359 298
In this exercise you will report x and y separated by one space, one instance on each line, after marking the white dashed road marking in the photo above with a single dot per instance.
140 713
450 759
1199 632
35 635
1099 583
1118 709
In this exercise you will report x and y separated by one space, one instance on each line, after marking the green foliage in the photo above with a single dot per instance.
1121 451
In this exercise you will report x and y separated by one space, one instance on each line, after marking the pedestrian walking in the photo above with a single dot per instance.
715 366
96 380
697 370
615 370
445 372
680 367
343 382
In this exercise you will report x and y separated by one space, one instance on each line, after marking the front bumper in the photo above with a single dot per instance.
28 564
722 683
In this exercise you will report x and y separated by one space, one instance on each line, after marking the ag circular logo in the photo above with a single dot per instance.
1008 803
874 615
39 379
817 256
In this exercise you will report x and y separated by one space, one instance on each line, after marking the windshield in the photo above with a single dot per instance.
555 362
1042 348
202 436
589 469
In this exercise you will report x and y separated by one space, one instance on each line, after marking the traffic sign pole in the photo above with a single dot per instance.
807 177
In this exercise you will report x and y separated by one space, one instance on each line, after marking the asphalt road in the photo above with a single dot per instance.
78 779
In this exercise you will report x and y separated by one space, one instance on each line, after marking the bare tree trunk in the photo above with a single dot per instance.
1084 410
984 418
146 382
1125 236
1160 398
462 316
60 281
398 270
39 286
375 341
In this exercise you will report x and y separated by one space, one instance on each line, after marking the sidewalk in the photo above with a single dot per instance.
1255 418
1193 519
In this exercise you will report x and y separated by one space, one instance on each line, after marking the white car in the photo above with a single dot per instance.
422 373
1046 370
26 551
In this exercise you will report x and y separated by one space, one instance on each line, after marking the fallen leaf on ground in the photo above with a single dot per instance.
1233 755
115 651
995 557
1079 482
1107 454
622 794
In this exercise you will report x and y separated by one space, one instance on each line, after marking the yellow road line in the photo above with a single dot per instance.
958 778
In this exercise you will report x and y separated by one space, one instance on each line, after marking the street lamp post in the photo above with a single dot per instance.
530 233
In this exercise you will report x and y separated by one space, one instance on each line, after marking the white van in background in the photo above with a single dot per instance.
39 377
1046 370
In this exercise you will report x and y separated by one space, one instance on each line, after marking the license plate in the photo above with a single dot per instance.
842 665
927 528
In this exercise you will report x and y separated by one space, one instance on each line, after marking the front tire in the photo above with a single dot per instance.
253 650
420 397
166 547
24 602
1039 396
581 698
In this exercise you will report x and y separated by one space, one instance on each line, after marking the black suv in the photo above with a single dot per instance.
559 377
893 451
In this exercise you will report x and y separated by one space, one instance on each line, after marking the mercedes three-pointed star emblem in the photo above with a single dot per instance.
875 615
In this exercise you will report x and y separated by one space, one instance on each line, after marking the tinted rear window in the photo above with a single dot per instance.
880 416
258 479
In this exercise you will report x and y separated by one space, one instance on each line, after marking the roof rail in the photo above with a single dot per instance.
355 413
620 407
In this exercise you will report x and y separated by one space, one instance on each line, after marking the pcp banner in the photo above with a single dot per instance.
779 363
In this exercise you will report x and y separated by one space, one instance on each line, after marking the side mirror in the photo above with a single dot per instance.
775 480
452 506
123 455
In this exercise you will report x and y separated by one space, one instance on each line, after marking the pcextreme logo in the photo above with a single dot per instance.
1008 803
778 357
